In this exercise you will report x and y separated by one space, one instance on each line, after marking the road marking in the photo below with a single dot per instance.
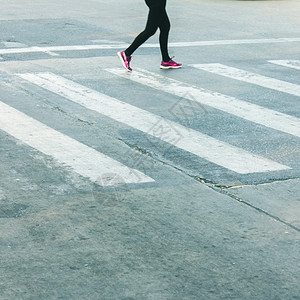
82 159
13 45
295 64
233 42
253 78
218 152
231 105
28 50
53 49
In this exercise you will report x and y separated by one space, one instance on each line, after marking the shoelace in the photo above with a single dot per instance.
171 60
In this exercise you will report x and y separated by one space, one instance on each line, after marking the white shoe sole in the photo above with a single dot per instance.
167 68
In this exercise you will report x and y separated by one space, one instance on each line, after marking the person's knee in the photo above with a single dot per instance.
167 26
151 31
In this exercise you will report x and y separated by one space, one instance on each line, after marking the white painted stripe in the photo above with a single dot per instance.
218 152
82 159
231 105
52 49
28 50
14 45
61 48
295 64
233 42
253 78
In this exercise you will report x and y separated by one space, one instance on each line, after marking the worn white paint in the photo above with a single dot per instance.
294 64
53 49
211 149
248 111
80 158
249 77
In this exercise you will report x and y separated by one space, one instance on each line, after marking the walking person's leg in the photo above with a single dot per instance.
155 14
164 27
156 8
157 18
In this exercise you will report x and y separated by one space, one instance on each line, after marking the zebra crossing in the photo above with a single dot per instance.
178 135
249 77
231 105
82 159
294 64
87 161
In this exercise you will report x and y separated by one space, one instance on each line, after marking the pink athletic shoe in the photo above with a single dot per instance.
125 60
171 64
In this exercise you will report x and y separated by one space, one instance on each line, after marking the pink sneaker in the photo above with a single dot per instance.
125 60
171 64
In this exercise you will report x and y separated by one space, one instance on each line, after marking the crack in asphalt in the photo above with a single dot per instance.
262 183
222 189
240 200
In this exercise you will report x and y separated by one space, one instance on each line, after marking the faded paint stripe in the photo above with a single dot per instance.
82 159
294 64
51 49
245 110
253 78
220 153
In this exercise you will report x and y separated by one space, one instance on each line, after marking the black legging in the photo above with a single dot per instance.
157 18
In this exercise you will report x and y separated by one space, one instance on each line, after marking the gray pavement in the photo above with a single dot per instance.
199 230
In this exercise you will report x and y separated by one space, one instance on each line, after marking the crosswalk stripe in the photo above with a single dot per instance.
241 75
218 152
82 159
295 64
231 105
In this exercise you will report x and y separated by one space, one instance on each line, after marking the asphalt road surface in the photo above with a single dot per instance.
158 184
